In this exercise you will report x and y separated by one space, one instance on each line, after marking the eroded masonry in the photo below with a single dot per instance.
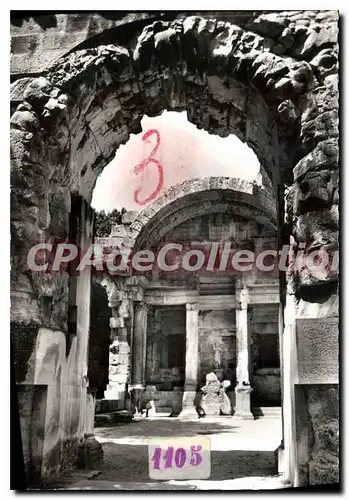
81 85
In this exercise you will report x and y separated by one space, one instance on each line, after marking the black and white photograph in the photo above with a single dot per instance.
174 282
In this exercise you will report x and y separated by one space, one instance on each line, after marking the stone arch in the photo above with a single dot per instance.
103 92
202 195
67 124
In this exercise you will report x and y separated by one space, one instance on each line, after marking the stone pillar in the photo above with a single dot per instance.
139 354
119 355
243 388
191 363
139 345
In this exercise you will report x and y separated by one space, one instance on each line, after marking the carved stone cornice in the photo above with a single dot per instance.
114 291
135 287
192 307
243 298
141 306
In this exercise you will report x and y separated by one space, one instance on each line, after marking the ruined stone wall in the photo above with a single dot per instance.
54 355
36 41
317 427
32 412
323 405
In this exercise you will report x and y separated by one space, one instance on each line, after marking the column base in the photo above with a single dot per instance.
188 406
114 395
107 406
243 416
115 392
188 414
281 459
136 392
242 409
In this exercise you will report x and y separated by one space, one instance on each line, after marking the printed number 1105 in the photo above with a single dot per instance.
176 457
180 458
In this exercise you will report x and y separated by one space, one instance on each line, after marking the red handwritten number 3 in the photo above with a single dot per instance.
150 159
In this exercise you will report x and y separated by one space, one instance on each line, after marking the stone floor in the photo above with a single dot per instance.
242 455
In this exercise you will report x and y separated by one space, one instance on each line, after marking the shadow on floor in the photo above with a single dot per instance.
166 427
123 462
238 452
126 451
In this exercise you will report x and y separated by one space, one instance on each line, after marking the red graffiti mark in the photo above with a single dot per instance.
150 159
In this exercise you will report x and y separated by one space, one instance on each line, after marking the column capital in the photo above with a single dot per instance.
141 281
114 304
114 289
136 285
243 299
140 305
192 307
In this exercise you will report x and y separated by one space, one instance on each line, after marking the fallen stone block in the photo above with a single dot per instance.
113 418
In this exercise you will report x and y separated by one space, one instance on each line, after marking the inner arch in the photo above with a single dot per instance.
258 203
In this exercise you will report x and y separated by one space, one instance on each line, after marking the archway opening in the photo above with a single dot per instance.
169 151
99 340
67 126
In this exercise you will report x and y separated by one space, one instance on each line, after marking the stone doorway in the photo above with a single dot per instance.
99 340
165 362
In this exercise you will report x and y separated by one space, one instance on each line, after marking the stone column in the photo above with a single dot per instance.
191 362
139 355
119 356
243 388
139 345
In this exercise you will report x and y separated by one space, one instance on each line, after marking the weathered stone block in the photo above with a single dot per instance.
115 322
37 92
32 401
315 191
323 157
320 128
326 34
318 228
323 470
23 342
323 407
113 418
326 63
317 350
90 454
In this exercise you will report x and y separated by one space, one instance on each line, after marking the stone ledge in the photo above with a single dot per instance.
107 406
113 418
